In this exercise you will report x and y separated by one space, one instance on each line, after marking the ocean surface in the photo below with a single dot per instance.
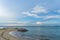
39 33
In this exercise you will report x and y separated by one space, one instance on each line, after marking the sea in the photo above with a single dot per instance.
38 33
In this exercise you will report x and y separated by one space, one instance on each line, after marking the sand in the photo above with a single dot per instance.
4 34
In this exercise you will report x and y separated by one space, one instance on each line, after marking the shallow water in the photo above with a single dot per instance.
39 33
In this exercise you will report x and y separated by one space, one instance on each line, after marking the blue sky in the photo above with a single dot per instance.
29 12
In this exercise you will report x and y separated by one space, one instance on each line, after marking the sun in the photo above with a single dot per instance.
5 13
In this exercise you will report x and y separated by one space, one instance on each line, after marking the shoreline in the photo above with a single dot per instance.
4 34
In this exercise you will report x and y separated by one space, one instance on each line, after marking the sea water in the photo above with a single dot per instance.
40 33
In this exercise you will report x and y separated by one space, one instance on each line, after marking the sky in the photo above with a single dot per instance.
29 12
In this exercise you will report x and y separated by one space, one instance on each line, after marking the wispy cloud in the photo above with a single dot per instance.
36 11
13 23
31 14
39 9
52 17
43 17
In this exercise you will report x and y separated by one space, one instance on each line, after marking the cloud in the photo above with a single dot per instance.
39 23
24 24
51 17
13 23
43 17
36 11
31 14
28 14
39 9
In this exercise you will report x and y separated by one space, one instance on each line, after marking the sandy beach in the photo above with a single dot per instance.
4 34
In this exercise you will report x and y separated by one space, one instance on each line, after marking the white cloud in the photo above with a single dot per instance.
35 12
51 17
31 14
39 9
43 17
13 23
24 24
39 23
27 14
